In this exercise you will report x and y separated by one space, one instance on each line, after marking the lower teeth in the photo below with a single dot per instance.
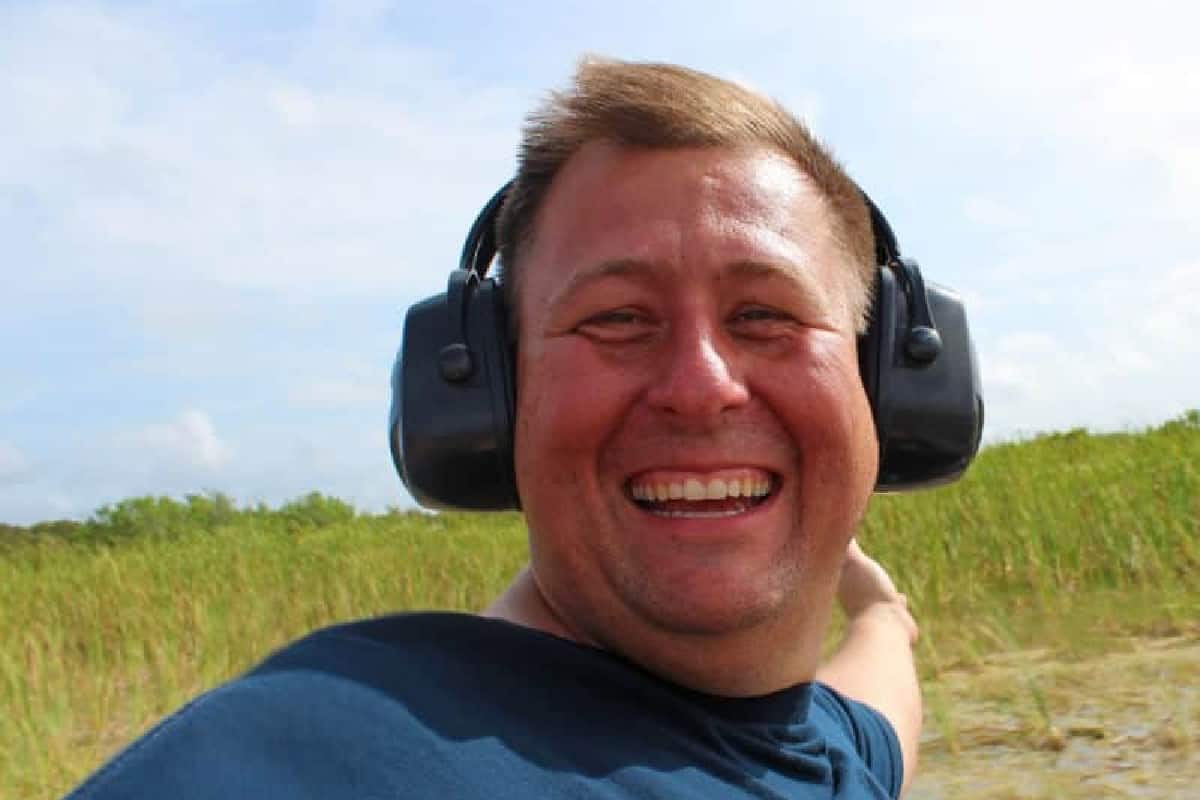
727 508
732 512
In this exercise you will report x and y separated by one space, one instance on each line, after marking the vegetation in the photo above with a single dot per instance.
1063 541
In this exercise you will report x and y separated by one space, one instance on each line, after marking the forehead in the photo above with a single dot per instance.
609 183
677 211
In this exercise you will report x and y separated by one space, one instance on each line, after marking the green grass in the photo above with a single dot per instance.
97 642
1061 542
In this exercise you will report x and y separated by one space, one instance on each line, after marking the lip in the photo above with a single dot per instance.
657 530
702 468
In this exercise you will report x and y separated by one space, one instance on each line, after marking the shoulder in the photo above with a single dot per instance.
342 690
422 705
210 748
860 729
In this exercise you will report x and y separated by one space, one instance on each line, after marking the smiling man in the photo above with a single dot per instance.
687 274
688 271
684 337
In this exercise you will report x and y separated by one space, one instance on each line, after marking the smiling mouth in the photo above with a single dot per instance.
702 497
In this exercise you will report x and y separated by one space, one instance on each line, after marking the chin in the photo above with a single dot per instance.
705 604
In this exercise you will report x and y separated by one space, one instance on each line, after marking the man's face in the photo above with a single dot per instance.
685 328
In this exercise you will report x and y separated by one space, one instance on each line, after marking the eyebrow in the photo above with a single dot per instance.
759 269
642 271
619 267
814 294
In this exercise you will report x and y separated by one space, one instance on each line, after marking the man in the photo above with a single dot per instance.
687 272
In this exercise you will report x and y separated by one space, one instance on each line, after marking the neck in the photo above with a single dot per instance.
522 603
750 663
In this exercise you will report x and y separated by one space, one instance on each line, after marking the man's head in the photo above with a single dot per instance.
693 445
664 106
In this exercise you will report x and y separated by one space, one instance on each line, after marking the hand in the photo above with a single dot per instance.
865 586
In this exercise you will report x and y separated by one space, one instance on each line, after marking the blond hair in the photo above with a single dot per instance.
662 106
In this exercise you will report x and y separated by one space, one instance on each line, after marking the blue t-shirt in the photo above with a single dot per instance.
438 705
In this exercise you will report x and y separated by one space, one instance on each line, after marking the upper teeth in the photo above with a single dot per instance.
695 489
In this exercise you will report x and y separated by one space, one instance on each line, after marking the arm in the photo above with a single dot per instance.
874 662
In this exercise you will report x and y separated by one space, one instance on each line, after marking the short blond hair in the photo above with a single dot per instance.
663 106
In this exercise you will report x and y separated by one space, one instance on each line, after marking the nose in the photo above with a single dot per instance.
700 377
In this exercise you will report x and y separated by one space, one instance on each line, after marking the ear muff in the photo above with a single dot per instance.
925 397
453 384
919 371
453 403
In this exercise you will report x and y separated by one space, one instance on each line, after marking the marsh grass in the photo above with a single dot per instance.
97 641
1062 542
1065 539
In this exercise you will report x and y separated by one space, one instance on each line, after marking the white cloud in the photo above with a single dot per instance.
1158 320
1079 171
1172 314
1115 81
347 163
188 442
992 213
296 106
14 466
355 385
1133 366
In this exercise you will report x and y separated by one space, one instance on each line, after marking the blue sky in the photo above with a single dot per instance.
214 215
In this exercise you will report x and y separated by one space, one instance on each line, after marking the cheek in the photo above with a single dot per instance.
827 412
568 405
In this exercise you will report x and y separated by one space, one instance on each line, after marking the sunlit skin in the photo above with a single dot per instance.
686 314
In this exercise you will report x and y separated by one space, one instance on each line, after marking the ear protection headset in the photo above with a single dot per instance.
453 394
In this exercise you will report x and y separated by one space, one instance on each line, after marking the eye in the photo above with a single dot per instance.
762 322
622 316
759 314
617 325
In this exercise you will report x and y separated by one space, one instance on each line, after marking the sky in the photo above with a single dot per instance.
213 216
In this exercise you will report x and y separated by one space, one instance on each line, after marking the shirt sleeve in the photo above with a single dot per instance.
868 732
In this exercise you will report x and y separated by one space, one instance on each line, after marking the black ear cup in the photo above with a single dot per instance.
453 385
921 377
453 404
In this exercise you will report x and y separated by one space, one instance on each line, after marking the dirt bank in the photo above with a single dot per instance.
1026 725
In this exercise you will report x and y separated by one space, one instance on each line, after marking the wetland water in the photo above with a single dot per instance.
1024 725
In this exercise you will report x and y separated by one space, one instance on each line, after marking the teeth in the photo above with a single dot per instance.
695 490
732 512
